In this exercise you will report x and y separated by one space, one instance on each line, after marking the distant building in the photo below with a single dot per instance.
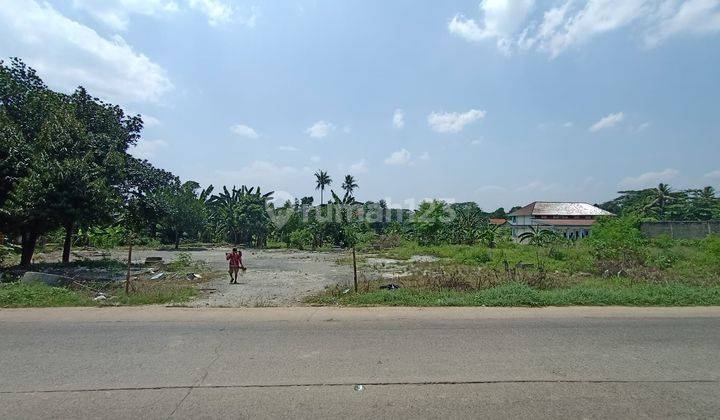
571 220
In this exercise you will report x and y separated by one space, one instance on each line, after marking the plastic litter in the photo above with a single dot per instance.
193 276
157 276
99 297
390 286
346 291
358 387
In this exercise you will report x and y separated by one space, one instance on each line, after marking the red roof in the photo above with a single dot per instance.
498 221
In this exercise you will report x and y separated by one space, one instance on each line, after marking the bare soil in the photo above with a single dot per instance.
273 277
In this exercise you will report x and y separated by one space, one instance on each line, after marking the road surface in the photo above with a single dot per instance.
155 362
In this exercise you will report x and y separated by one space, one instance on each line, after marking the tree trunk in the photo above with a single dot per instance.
29 240
177 240
321 196
68 242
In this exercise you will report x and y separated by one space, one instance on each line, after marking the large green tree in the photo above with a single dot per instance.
64 156
182 210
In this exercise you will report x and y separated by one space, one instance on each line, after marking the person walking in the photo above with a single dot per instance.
235 261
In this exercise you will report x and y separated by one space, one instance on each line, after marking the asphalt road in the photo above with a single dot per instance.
412 363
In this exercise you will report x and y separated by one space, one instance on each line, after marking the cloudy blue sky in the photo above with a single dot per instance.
501 102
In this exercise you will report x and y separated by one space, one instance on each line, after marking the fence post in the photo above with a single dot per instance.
354 270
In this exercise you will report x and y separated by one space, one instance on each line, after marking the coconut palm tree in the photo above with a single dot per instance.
350 184
322 179
537 236
660 197
707 193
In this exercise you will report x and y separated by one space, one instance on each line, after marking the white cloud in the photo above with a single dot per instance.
263 173
67 54
466 28
288 148
424 156
315 159
359 166
320 129
568 124
147 149
713 174
642 127
400 157
559 31
116 13
244 131
607 121
148 120
649 179
574 23
695 17
453 122
501 18
398 119
218 12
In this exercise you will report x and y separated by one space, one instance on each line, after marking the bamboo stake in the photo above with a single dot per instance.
354 270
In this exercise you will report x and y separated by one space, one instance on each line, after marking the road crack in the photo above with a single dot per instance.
366 383
197 383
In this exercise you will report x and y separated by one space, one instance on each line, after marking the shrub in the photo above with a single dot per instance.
473 256
616 239
711 246
184 261
301 238
387 241
663 241
663 260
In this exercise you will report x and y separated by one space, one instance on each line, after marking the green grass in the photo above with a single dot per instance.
21 295
103 263
591 293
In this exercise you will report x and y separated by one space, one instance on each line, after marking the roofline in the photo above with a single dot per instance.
559 202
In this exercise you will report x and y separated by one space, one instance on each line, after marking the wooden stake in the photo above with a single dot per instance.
127 279
354 270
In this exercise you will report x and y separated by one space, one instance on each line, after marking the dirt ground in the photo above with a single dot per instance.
273 277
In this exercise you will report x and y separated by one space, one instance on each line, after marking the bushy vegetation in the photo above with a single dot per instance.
615 266
664 203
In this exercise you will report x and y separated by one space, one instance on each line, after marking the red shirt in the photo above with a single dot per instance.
235 259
